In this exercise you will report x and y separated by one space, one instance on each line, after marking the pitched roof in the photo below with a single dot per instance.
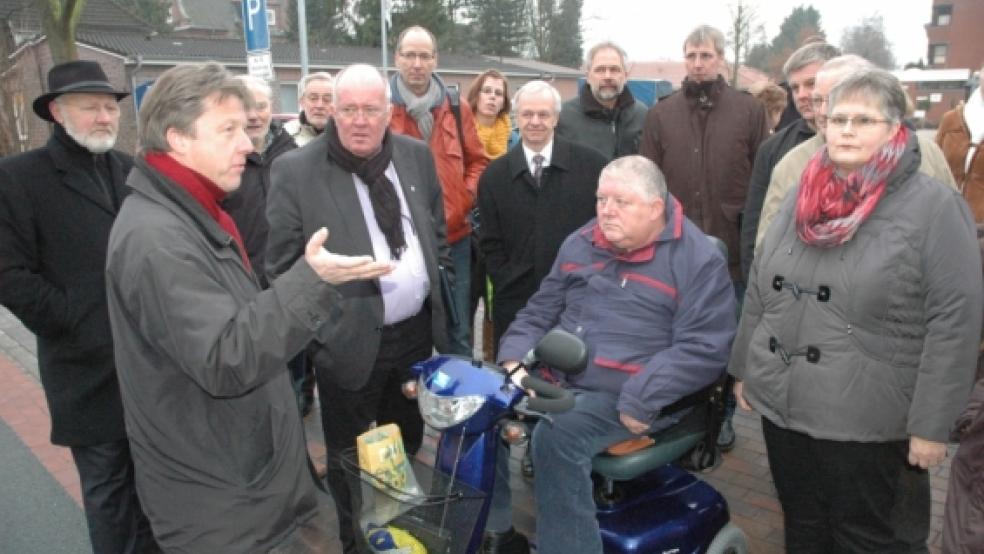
25 16
169 50
221 15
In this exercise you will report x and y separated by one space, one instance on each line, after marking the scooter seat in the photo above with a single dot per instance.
669 445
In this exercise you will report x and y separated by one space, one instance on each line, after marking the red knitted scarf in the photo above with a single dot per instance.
202 189
830 208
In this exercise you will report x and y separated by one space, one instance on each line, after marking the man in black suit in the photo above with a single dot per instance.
530 199
57 205
377 193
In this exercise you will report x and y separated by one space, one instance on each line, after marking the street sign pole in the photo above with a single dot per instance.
302 35
259 62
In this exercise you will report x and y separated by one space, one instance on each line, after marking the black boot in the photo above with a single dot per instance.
506 542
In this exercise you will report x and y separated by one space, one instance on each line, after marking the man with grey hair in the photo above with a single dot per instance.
57 204
639 265
800 71
217 441
379 194
314 96
531 199
604 115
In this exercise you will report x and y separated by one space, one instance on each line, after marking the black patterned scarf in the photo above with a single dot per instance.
382 191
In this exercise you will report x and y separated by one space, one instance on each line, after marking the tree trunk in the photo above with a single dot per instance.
59 19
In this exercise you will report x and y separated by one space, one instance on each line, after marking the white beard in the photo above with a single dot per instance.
96 145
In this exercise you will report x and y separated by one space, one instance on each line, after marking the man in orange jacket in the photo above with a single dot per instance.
424 108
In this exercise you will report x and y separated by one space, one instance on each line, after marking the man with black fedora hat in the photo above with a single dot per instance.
57 205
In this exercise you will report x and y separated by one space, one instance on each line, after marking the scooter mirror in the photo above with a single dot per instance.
562 351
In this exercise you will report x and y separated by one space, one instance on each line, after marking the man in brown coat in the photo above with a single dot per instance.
704 138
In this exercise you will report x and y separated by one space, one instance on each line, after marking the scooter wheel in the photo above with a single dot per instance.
729 540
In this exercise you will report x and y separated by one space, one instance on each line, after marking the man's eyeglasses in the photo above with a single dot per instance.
856 122
422 56
350 112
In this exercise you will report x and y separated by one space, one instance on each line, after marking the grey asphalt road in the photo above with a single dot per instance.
36 515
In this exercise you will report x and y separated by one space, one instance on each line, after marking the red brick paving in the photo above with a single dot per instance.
743 477
24 409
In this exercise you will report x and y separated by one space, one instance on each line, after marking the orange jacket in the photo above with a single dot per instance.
458 171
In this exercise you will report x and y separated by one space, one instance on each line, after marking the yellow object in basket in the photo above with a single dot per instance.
381 455
406 540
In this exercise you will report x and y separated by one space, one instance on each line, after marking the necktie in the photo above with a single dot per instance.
538 169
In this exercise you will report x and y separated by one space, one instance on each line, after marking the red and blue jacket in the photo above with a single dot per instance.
658 321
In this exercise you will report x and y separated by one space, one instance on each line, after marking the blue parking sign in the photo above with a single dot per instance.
255 25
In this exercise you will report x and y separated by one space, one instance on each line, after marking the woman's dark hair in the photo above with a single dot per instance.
476 87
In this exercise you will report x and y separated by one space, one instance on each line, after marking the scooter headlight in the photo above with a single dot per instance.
441 412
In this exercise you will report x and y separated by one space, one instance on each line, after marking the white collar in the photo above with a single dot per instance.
546 152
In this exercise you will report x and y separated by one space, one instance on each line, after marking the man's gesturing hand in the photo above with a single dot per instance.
335 268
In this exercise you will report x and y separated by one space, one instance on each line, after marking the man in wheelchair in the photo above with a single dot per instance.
651 297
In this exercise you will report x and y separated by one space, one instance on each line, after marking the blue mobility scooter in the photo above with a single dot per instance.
646 504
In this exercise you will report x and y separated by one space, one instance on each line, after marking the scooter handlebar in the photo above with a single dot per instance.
549 398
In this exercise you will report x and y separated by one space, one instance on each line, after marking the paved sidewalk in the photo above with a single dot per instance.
743 477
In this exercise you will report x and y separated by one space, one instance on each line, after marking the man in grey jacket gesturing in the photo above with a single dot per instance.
215 433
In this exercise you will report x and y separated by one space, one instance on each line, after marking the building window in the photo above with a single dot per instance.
271 18
941 15
937 54
288 98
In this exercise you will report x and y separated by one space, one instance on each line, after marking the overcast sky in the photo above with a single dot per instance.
654 29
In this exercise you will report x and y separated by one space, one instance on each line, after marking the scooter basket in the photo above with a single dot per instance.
441 514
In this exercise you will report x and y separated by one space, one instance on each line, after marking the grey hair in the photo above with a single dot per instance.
873 85
177 100
537 87
639 172
841 66
359 75
607 45
809 54
256 85
302 85
706 33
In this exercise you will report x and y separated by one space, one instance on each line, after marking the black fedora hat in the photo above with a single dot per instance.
74 76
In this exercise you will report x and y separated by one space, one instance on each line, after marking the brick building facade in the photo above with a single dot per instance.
954 35
955 52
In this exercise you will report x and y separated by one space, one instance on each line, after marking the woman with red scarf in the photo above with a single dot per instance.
859 333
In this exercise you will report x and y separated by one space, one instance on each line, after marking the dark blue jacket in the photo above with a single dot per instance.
658 321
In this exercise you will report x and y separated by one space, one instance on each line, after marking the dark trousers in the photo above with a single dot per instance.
347 414
841 496
116 520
